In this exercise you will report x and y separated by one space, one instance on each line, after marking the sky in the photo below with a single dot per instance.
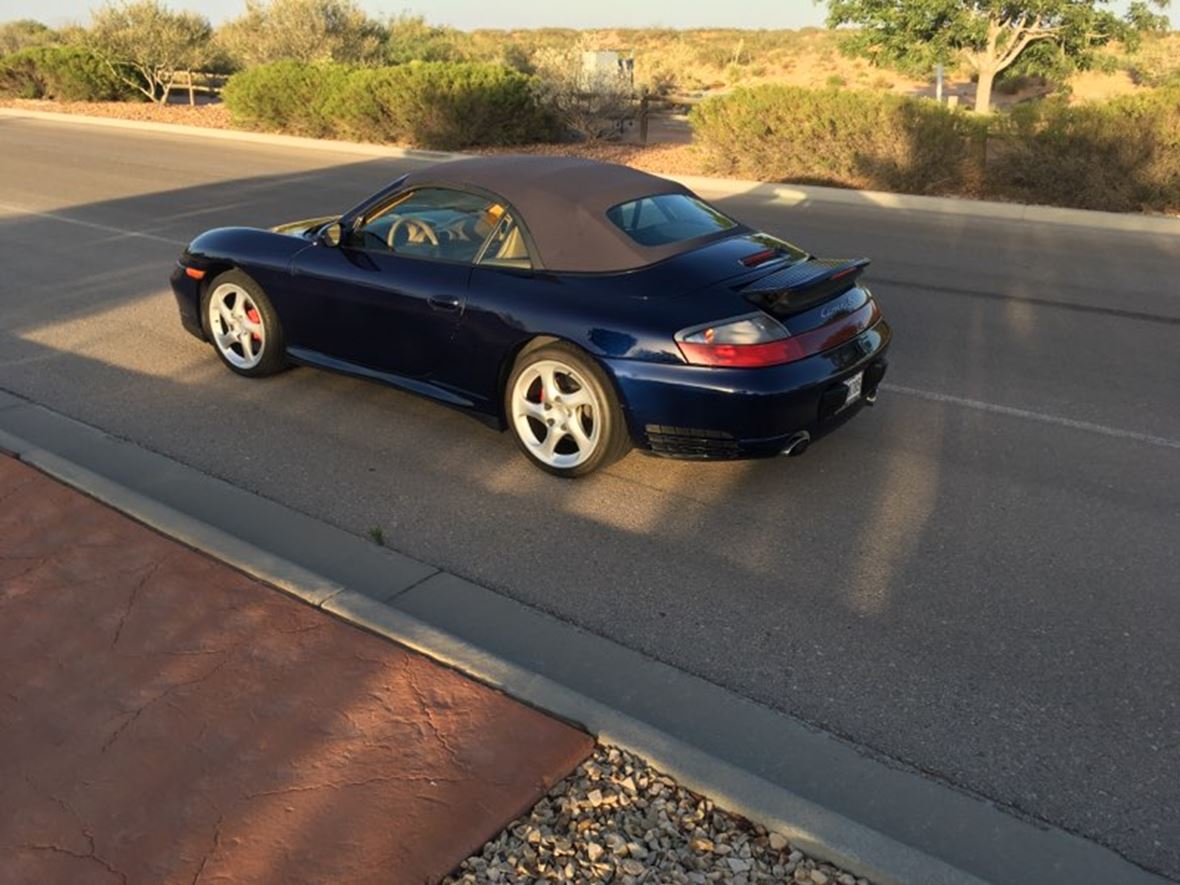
468 14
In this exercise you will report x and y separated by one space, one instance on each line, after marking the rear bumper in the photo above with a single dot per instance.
705 412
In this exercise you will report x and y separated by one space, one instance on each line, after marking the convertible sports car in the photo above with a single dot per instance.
586 307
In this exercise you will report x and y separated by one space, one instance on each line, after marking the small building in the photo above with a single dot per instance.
604 66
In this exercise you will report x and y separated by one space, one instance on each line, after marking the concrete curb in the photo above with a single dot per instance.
779 194
745 757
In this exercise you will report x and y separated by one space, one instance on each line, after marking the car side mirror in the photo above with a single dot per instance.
332 234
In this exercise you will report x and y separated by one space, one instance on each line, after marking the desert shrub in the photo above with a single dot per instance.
24 33
63 73
1119 155
441 105
843 137
289 96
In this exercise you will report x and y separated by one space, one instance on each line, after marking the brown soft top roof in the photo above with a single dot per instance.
563 202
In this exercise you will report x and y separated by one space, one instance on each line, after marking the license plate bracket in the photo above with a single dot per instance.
854 386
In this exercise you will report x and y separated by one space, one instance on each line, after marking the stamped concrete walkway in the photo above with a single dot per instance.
164 718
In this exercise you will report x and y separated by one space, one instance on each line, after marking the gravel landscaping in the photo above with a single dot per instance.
615 820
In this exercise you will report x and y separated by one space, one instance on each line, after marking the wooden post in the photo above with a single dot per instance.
643 100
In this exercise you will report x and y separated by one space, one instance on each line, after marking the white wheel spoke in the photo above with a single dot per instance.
251 326
549 446
578 432
224 341
528 407
580 397
226 316
549 380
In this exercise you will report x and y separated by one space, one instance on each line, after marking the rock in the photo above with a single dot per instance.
615 819
632 867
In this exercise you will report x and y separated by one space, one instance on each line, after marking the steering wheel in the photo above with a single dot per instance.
411 226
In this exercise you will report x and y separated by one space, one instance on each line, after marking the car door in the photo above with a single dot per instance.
390 296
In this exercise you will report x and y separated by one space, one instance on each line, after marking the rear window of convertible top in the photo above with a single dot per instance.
667 218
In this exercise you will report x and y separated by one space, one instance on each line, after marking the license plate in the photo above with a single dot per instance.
854 385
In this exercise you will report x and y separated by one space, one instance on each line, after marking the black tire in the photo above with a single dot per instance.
611 441
273 356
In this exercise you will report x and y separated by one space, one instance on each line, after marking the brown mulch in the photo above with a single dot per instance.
212 115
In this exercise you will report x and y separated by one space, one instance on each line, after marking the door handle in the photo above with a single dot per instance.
444 302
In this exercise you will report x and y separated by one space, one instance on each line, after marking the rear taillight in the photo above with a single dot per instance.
754 340
760 340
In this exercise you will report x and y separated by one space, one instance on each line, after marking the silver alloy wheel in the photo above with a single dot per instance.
556 414
236 325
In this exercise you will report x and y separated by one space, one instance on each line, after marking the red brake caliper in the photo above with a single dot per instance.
254 317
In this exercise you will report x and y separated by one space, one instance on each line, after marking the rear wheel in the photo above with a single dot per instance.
563 411
243 326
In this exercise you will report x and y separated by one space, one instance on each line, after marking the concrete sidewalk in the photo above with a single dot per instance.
167 718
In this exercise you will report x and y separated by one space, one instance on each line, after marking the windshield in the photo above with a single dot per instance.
668 218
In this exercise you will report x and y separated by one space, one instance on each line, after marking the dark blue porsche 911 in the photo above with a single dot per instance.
586 307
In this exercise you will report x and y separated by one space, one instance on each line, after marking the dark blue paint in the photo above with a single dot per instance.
451 331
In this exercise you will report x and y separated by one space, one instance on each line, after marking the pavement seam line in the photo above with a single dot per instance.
780 193
389 599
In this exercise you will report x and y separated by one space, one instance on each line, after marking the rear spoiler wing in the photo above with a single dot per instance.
803 284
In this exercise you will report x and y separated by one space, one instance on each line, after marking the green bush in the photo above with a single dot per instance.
842 137
63 73
289 96
1121 155
442 105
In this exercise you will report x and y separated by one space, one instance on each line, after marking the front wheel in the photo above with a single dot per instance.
563 411
243 326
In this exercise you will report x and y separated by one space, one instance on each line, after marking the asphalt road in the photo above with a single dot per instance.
978 578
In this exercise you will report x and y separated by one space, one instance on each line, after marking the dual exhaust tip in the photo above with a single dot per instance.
797 444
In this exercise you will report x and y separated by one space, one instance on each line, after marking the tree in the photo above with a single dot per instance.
988 35
23 34
146 45
302 30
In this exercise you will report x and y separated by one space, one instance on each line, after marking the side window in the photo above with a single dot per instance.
506 246
439 223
